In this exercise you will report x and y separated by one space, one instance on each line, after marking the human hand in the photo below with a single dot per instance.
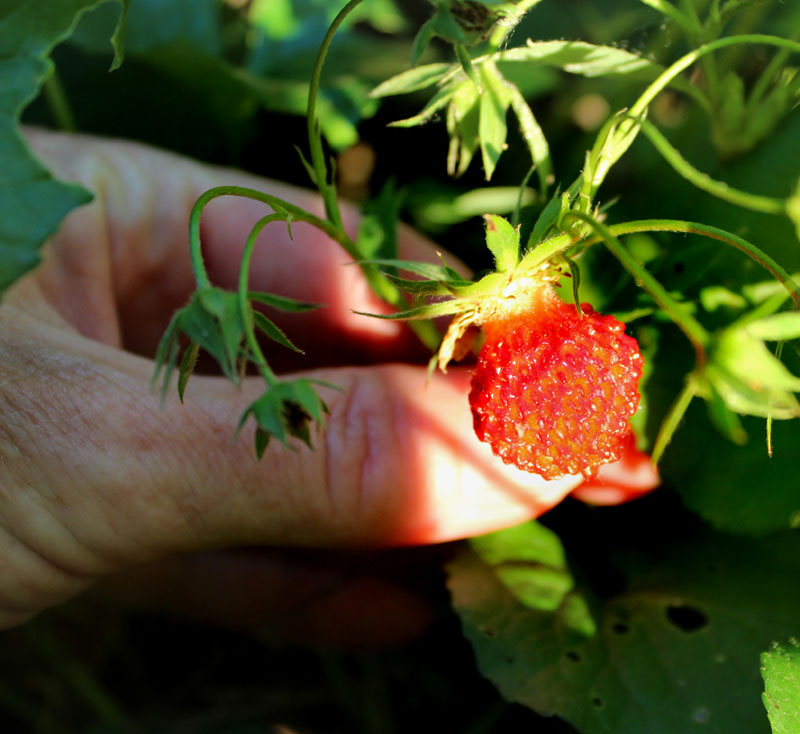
97 477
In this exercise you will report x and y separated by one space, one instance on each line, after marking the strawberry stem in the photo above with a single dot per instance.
673 418
257 356
674 225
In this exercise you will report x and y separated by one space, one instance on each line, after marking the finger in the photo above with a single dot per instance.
302 597
628 478
119 267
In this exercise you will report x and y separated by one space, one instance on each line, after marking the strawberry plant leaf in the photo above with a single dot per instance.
662 654
780 668
492 127
35 202
463 126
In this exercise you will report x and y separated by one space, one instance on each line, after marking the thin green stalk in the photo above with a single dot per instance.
690 326
673 418
753 252
326 187
425 331
244 303
755 202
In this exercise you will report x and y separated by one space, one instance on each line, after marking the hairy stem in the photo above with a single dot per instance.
690 326
244 303
753 252
703 181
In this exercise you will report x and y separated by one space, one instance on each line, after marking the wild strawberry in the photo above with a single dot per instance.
553 388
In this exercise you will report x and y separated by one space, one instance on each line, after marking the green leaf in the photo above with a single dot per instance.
273 332
425 270
432 311
33 202
738 489
503 242
780 667
282 303
671 647
492 128
749 378
779 327
586 59
377 230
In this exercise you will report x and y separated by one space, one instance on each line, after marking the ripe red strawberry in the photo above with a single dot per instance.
553 389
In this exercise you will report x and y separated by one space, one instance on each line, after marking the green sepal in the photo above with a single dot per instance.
274 332
780 668
430 311
429 271
412 80
493 110
439 100
427 287
749 378
285 411
213 320
502 239
421 40
282 303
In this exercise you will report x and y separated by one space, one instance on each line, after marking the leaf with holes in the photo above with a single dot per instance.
676 647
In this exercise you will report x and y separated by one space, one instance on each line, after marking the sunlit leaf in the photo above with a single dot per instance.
780 667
